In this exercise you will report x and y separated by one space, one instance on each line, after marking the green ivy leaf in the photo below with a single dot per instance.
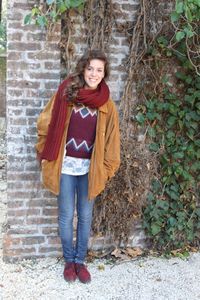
170 134
188 31
150 196
154 147
197 96
180 35
171 121
27 19
197 154
140 118
155 229
197 142
173 195
189 79
188 13
174 16
181 75
190 133
41 21
172 221
190 99
162 204
197 105
152 132
62 7
177 155
195 166
76 3
35 11
162 41
156 186
179 7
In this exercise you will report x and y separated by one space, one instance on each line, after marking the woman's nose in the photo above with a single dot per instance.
94 72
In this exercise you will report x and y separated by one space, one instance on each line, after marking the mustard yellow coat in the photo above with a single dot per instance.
105 158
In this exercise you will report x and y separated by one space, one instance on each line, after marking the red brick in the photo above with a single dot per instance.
14 56
21 176
15 93
24 46
50 249
23 212
53 231
35 36
53 240
50 211
23 231
52 66
18 252
16 16
22 5
22 84
32 240
45 75
22 65
41 220
15 203
14 222
51 84
17 36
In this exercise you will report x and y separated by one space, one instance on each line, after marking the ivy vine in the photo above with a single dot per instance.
3 35
171 217
48 13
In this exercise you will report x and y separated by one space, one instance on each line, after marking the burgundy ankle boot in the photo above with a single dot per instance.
69 272
82 273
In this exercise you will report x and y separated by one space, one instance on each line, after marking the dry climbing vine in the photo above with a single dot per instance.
120 204
98 21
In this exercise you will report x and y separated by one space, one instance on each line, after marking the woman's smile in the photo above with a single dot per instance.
94 73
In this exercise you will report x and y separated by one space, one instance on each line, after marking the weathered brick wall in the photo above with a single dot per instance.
2 86
33 74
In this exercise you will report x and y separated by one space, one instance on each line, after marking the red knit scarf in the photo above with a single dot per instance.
91 98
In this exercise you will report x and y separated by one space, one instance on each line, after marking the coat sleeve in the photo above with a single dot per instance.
42 125
112 142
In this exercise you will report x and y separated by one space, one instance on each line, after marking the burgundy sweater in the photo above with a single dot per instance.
81 132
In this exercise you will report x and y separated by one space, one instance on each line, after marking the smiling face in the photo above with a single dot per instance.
94 73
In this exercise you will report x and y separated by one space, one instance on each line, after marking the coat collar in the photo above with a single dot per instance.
104 107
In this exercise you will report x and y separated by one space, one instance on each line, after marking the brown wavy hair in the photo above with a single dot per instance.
77 77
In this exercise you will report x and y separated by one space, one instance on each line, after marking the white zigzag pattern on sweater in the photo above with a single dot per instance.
77 147
89 112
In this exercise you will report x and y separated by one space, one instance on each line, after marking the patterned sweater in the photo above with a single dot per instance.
81 132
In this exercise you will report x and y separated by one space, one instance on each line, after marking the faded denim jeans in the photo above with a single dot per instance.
74 193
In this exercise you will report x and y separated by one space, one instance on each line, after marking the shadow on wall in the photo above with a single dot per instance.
2 86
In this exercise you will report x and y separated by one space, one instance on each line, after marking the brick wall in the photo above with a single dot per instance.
2 86
33 74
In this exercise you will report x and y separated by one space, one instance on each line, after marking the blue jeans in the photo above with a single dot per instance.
71 188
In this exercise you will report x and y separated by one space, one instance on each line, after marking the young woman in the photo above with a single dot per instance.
79 149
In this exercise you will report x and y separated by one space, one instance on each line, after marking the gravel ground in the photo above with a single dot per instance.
146 278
